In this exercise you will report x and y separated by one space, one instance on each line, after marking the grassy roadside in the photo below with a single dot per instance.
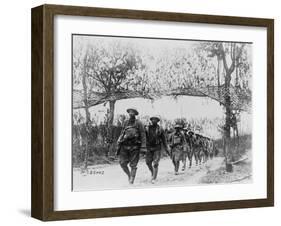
242 171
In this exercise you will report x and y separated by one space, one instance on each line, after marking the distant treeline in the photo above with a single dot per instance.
100 140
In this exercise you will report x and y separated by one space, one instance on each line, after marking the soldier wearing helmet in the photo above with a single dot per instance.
178 146
131 142
156 139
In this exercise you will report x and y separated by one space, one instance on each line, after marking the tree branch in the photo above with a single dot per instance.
223 58
236 58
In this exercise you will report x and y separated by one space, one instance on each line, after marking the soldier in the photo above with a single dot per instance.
189 151
155 137
131 141
178 145
205 148
198 148
185 150
211 147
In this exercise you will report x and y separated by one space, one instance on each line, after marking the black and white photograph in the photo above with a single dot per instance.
158 112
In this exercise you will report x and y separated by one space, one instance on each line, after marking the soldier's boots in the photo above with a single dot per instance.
127 171
132 176
184 163
177 164
183 167
150 169
154 174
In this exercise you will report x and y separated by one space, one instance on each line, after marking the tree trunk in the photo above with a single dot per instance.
218 76
87 124
227 120
88 118
110 126
237 74
111 112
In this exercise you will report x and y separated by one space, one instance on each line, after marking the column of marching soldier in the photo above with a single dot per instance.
181 144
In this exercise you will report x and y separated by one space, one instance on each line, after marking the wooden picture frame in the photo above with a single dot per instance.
42 203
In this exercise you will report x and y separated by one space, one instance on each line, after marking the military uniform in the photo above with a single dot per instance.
188 153
131 140
155 139
198 148
178 145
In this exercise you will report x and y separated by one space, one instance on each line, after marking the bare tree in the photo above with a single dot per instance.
107 70
233 51
113 70
230 54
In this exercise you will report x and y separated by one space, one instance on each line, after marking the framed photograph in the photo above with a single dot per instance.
141 112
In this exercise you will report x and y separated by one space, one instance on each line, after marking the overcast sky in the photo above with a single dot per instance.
167 107
185 106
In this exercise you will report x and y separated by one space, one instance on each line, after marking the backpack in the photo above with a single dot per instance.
131 133
153 139
177 139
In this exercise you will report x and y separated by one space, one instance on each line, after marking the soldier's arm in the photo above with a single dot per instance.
163 139
184 143
146 131
142 135
184 139
165 144
122 131
170 140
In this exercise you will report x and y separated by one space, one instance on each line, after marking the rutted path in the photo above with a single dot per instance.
112 177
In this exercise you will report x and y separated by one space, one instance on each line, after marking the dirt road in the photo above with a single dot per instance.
112 177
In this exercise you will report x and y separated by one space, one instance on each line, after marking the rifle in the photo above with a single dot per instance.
117 152
121 139
119 143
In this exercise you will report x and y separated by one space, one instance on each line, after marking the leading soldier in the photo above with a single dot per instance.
187 153
178 145
155 139
130 142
